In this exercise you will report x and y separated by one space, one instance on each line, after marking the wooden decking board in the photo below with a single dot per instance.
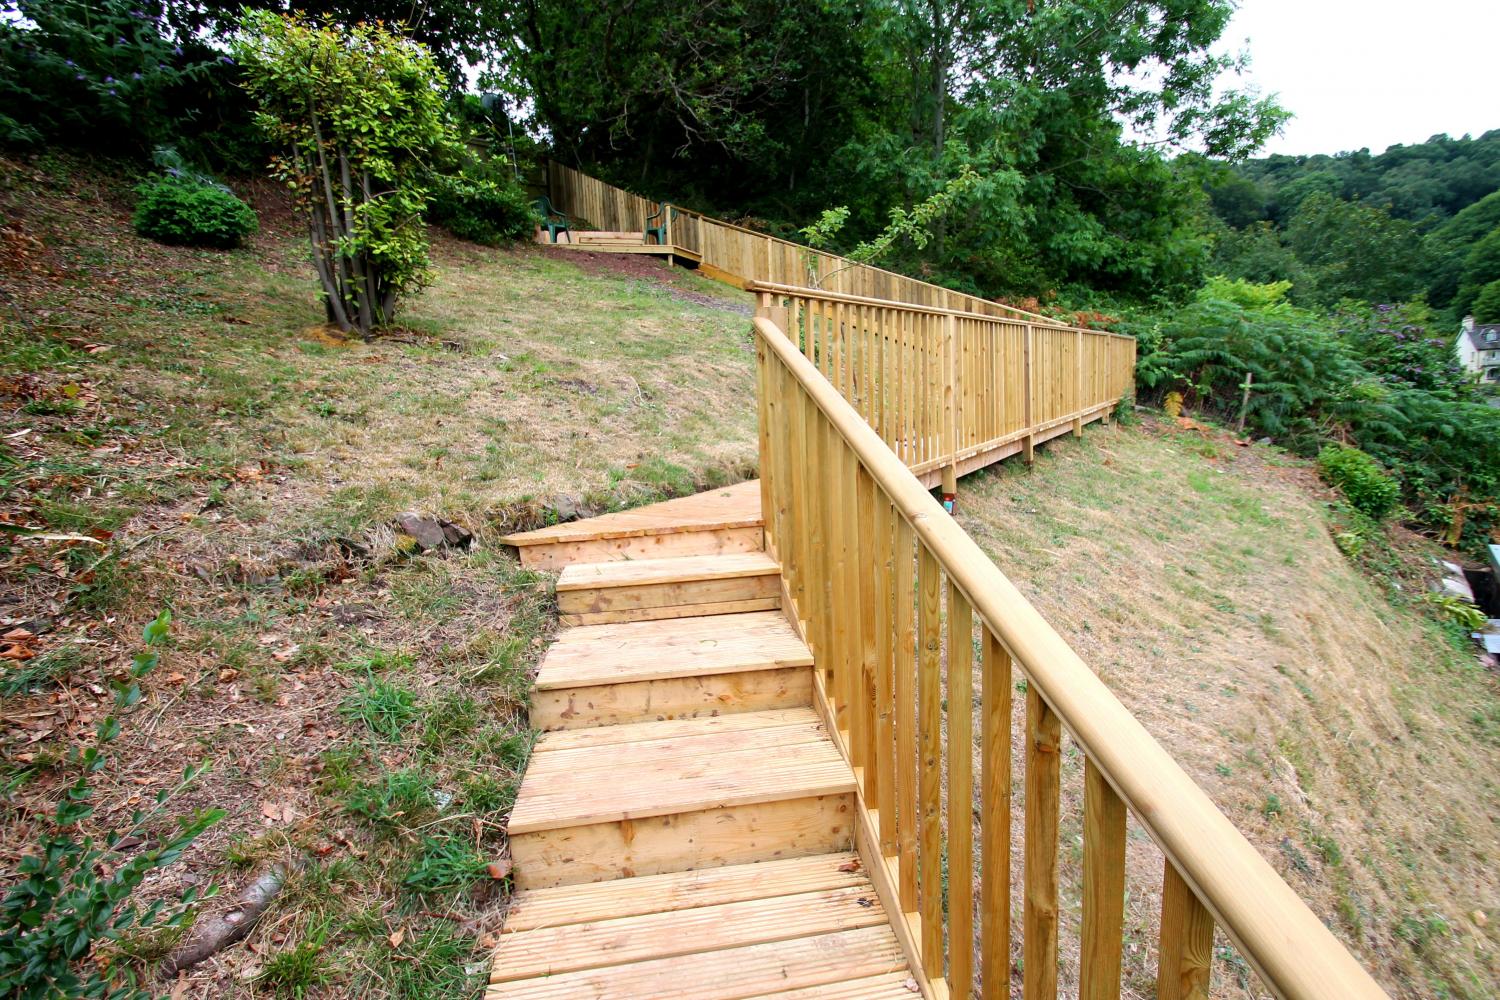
673 647
730 974
657 612
629 897
553 950
675 569
674 698
735 506
665 784
892 986
572 739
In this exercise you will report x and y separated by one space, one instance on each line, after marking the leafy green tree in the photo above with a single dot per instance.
1487 303
358 116
1354 250
1481 266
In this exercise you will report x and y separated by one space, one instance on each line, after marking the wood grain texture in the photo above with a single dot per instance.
995 813
1103 887
1185 956
1039 915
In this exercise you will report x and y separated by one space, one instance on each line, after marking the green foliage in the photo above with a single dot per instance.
358 116
1361 479
184 210
913 226
1367 375
484 203
386 709
73 894
397 798
444 863
1486 306
1457 610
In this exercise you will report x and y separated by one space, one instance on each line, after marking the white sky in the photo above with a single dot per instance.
1372 73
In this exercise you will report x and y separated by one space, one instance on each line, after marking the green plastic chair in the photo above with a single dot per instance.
660 229
555 221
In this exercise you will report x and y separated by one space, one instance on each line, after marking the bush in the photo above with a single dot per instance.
483 203
1361 479
187 211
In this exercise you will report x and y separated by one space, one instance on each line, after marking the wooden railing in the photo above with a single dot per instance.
897 602
740 256
950 391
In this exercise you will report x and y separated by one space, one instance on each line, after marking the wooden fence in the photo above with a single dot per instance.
949 391
897 603
741 256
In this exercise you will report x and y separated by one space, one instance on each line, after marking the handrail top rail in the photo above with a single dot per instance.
1286 943
809 292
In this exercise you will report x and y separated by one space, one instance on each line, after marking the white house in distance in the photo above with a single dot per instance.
1479 349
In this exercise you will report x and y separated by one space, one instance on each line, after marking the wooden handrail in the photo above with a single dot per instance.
776 288
1225 879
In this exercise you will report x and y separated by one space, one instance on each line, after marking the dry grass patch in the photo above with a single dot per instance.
1352 739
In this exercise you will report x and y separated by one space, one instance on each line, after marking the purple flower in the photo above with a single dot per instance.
80 76
177 49
226 60
109 79
135 76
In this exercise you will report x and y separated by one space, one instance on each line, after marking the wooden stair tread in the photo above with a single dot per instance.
549 951
691 771
672 647
735 506
727 974
676 569
634 732
627 897
891 986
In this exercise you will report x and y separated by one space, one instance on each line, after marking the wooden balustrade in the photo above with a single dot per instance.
896 602
948 390
740 256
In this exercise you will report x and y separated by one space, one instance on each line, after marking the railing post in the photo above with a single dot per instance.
1078 383
1028 443
951 400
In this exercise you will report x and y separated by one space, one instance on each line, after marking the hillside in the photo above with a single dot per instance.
1354 741
175 431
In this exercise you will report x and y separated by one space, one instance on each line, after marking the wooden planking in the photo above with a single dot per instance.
662 545
680 890
1185 955
680 569
681 774
733 974
667 595
572 739
1039 915
658 612
766 831
930 789
960 705
1103 887
675 647
550 951
735 506
675 698
891 986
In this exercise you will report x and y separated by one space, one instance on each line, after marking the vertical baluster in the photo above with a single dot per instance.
1185 958
867 568
821 563
1039 937
960 793
903 406
835 513
789 505
1103 887
906 708
994 809
930 722
886 644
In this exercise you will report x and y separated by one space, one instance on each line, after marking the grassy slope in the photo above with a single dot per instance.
362 707
1350 738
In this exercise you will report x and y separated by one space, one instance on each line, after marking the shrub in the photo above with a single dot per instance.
1361 479
483 203
188 211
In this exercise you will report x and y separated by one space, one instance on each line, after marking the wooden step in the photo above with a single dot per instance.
677 698
652 589
778 968
700 768
592 655
698 794
723 520
552 932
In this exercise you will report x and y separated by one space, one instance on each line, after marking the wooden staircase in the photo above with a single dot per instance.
686 827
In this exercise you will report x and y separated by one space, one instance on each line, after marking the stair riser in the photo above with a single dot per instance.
709 838
653 601
674 698
682 543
